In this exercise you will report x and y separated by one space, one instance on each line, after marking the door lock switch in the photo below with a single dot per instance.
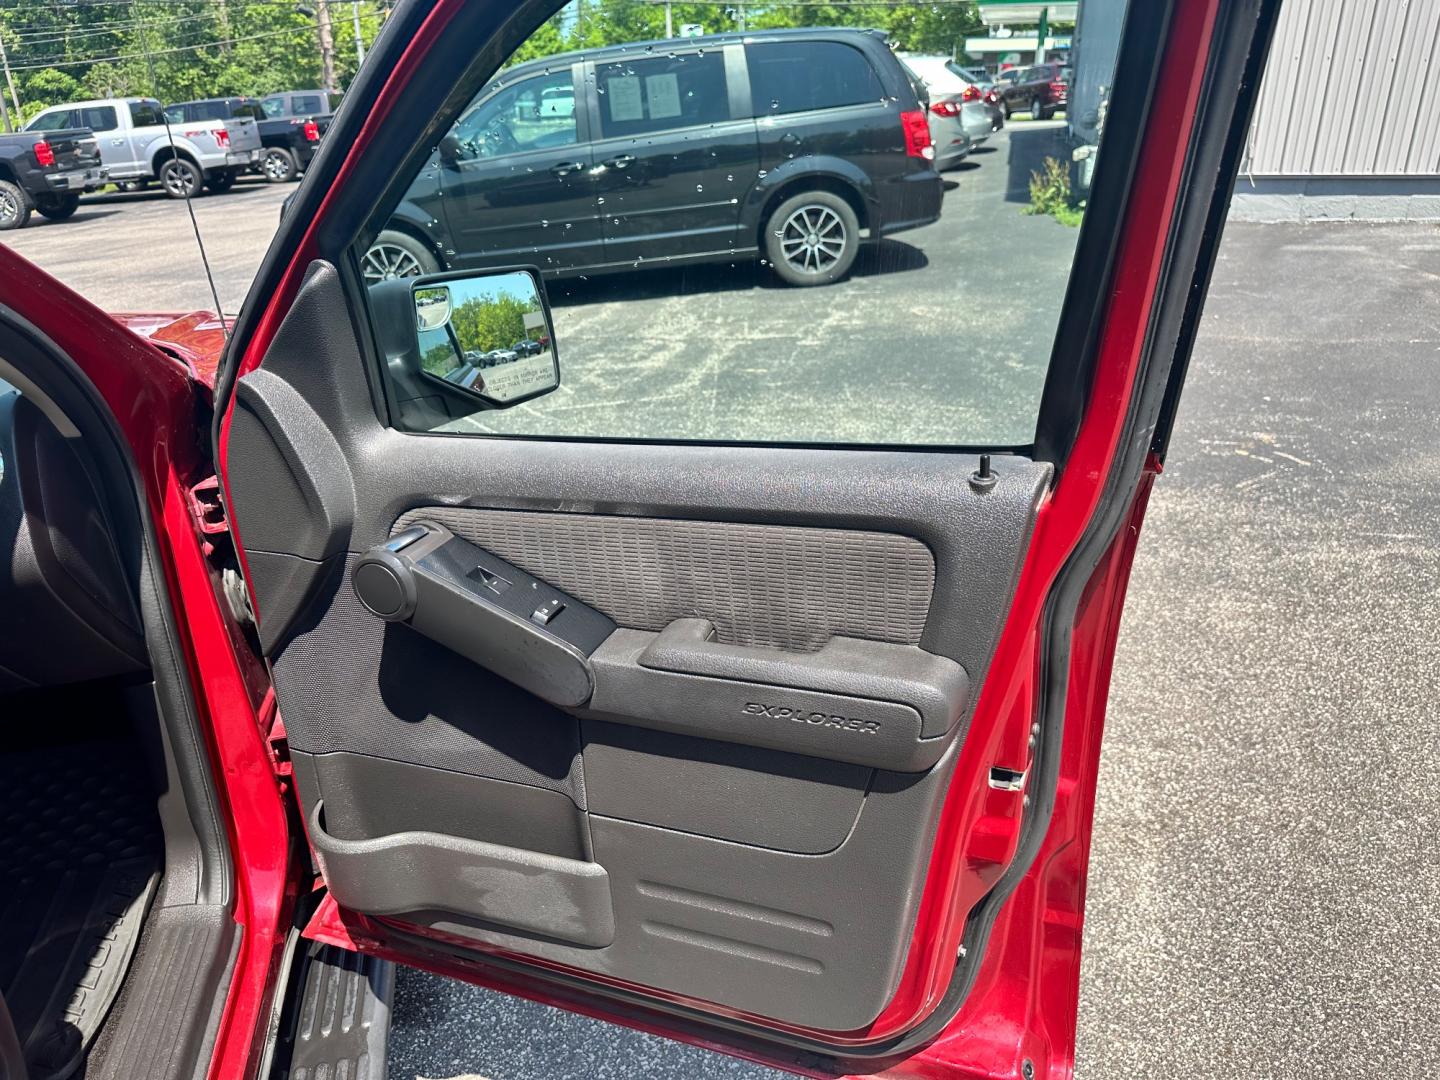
547 611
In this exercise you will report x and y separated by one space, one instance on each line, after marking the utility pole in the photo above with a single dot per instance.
10 81
327 45
359 45
669 21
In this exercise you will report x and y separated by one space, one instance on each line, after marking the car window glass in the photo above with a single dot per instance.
250 111
855 267
273 106
834 74
145 114
305 104
638 97
533 114
58 120
97 118
175 114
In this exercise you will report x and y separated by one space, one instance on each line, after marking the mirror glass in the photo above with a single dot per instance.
489 334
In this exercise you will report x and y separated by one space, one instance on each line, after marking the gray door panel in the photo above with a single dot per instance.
779 877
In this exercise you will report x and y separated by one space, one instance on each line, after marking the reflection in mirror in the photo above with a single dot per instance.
489 334
432 307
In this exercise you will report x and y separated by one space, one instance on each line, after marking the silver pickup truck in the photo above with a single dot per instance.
135 146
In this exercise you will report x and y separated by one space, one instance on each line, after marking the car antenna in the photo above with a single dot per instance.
174 154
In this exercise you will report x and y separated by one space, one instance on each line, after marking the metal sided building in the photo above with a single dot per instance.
1348 121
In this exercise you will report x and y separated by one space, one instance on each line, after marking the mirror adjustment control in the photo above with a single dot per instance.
547 611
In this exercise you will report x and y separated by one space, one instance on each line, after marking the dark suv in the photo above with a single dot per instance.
792 146
1041 91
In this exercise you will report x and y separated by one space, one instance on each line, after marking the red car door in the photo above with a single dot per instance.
795 755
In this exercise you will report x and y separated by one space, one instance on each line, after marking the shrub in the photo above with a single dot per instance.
1050 193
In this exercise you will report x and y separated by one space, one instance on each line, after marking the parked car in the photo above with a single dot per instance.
795 758
288 143
960 111
46 173
942 75
137 146
316 105
799 178
977 75
1041 90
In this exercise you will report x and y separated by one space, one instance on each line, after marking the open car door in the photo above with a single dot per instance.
774 742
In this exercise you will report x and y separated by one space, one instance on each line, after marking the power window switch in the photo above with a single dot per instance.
547 611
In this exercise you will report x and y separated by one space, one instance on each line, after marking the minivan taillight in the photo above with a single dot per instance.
44 155
312 131
917 134
945 108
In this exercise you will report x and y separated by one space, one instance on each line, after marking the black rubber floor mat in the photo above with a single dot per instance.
337 1018
81 853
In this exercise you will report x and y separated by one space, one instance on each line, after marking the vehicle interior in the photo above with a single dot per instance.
115 933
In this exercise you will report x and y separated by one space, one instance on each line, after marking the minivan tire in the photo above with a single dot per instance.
59 207
812 238
278 166
15 206
181 179
395 255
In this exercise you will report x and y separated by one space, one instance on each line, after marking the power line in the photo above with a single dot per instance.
57 35
292 30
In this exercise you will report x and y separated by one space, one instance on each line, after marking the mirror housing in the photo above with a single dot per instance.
450 150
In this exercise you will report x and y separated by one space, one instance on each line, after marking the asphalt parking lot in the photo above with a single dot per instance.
1265 890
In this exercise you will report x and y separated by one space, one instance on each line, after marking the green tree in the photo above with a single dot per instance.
486 323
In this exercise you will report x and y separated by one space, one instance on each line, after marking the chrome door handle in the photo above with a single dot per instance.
621 162
565 168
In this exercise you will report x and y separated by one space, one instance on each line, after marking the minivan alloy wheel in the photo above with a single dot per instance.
384 262
813 239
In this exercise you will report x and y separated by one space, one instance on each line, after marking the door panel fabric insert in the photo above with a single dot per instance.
782 586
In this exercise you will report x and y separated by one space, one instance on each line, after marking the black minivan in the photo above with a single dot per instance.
788 145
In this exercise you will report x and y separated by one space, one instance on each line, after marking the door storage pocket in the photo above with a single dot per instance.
528 891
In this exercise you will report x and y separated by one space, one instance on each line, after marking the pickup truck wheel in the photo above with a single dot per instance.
14 206
812 238
58 207
181 179
278 165
397 255
220 182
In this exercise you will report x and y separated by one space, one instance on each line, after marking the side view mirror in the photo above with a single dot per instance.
450 149
458 342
